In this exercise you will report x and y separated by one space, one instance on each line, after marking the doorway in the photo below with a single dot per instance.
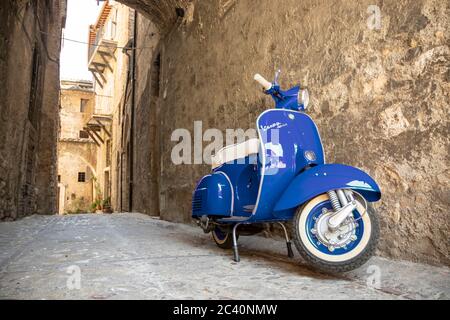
107 185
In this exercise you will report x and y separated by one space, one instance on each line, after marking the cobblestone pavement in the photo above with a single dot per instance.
133 256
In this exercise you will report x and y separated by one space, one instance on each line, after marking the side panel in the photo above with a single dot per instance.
244 179
285 136
213 196
323 178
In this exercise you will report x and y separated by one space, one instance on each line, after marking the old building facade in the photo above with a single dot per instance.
30 33
77 151
110 59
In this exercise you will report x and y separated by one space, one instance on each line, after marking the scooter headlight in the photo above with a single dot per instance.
303 98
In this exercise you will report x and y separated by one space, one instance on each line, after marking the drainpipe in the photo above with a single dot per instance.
133 107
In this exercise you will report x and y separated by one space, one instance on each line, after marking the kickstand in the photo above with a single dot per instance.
235 246
288 241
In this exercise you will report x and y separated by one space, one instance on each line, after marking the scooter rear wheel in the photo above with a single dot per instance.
222 238
352 253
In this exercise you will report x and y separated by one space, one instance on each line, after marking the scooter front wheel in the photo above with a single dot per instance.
344 249
223 238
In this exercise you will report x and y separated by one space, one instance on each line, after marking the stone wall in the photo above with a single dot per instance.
147 151
30 34
380 98
72 120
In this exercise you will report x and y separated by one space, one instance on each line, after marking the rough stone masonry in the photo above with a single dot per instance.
30 42
380 97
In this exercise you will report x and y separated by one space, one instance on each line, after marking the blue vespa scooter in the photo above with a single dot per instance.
282 177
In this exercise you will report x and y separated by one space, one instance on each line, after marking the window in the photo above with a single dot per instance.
83 105
81 176
59 178
84 134
108 153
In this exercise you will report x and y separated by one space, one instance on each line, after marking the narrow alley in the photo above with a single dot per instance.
134 256
143 142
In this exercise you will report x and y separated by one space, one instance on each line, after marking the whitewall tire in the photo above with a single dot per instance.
347 257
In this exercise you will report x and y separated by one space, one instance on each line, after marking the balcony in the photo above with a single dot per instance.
94 128
100 53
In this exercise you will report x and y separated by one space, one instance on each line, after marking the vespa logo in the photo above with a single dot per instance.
274 152
276 125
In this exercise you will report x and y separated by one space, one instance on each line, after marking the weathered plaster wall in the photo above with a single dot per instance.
380 98
73 157
76 154
28 138
72 120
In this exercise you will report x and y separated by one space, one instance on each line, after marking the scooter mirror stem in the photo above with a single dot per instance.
277 75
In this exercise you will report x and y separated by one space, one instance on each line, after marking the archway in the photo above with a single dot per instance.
164 14
76 187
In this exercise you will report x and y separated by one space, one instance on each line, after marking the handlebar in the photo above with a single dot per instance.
260 79
295 98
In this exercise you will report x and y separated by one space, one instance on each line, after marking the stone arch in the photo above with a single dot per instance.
70 154
74 158
164 14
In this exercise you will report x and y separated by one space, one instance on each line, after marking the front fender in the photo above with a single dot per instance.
323 178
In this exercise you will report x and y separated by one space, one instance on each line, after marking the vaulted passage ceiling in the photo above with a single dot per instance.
163 13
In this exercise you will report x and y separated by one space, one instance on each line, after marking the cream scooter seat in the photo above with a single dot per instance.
234 152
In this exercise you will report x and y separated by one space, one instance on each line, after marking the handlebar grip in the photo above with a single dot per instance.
260 79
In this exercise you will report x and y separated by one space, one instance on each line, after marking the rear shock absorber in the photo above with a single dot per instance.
334 200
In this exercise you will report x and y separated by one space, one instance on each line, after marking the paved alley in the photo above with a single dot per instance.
133 256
